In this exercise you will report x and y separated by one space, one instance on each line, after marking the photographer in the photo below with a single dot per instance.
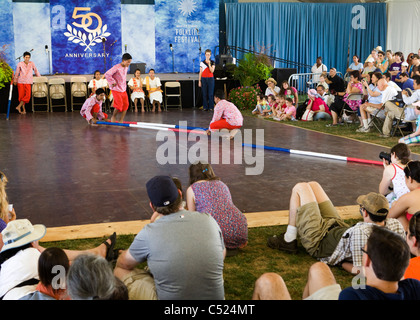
393 175
408 204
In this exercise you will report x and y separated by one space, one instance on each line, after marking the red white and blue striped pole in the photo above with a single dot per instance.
315 154
173 126
10 98
154 126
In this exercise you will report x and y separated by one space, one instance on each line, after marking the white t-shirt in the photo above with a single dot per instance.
21 267
388 94
322 68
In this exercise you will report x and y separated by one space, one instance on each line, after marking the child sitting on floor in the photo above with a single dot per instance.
278 107
289 111
267 111
92 108
257 109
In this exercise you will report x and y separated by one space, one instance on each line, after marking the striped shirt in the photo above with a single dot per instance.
117 76
24 73
227 110
355 238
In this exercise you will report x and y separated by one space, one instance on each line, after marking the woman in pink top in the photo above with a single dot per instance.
226 115
117 81
24 80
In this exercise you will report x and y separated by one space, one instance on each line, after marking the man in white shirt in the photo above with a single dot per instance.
394 111
318 68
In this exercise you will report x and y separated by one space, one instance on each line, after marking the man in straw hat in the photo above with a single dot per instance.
322 231
20 253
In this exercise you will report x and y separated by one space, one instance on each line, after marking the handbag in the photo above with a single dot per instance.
308 115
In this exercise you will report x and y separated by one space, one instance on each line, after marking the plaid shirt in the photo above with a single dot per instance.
355 238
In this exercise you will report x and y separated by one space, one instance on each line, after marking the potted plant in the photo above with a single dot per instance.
252 69
6 74
244 97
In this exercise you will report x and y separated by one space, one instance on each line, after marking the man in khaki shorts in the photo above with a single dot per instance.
324 234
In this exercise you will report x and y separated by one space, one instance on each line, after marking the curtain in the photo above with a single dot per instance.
403 31
301 32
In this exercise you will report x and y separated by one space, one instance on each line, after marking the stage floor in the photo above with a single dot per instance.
64 172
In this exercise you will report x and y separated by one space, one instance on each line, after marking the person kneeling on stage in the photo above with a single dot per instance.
92 108
226 115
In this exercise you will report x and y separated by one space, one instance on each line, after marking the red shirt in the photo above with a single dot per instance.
206 72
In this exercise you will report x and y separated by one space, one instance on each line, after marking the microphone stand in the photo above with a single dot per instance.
199 47
103 43
173 59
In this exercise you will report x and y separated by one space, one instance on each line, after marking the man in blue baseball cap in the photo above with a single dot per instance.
184 251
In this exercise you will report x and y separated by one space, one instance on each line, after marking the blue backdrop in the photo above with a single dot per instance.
302 31
85 35
187 25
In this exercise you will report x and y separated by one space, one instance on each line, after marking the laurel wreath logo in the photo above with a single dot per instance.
88 41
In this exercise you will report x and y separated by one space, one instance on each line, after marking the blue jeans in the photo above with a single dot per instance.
207 88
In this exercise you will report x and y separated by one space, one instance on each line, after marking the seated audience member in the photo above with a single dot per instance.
374 101
413 138
391 83
90 277
413 240
382 64
226 115
322 231
178 183
388 95
207 194
272 88
6 214
415 67
317 69
173 259
369 68
405 82
52 264
373 55
136 86
321 285
322 82
390 56
381 278
153 87
336 83
322 93
269 111
92 107
317 106
353 87
261 104
410 63
394 112
289 112
408 204
356 65
386 257
396 66
278 107
20 254
393 175
283 91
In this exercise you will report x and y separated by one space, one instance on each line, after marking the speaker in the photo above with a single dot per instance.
139 65
224 59
282 74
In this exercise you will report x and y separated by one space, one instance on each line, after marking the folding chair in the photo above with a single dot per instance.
40 91
353 97
78 90
399 123
173 90
375 120
57 90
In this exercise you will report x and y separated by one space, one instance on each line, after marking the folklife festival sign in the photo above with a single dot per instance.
85 35
182 28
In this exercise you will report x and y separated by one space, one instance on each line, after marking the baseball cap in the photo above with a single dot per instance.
375 203
405 64
21 232
162 191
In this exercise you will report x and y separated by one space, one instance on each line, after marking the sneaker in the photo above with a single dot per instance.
278 242
363 129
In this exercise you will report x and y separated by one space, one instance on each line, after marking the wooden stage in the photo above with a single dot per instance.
85 181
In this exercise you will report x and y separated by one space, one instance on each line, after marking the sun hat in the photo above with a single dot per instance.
312 92
378 48
370 60
375 203
271 80
21 232
404 64
162 191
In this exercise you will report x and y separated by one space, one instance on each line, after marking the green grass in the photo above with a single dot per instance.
241 271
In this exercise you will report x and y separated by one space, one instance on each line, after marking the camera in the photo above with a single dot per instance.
386 156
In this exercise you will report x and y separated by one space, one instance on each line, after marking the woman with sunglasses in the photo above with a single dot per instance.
413 138
413 240
408 204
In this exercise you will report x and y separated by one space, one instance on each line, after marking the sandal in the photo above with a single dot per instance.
110 252
331 125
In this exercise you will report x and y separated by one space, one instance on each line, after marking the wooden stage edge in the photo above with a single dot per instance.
98 230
